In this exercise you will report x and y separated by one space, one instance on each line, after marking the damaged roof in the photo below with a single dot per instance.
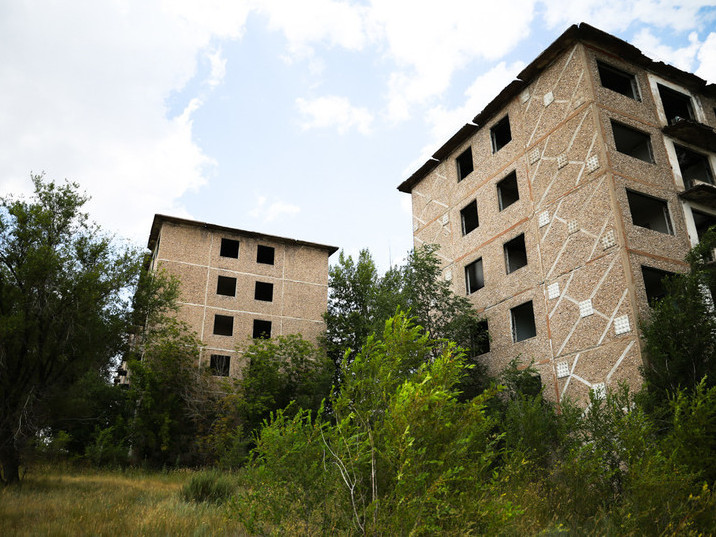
574 34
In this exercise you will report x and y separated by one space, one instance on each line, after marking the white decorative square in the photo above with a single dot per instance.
543 218
592 163
572 227
609 240
621 325
562 370
552 290
562 161
600 390
534 155
448 275
585 308
548 98
444 219
525 96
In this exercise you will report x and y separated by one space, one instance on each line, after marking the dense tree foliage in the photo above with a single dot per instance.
62 307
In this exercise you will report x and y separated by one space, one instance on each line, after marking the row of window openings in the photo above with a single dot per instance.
500 136
230 248
224 326
515 258
226 286
507 194
676 105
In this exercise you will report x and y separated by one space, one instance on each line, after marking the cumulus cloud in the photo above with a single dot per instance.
652 46
336 112
268 212
707 59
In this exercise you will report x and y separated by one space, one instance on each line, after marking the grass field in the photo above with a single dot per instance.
117 503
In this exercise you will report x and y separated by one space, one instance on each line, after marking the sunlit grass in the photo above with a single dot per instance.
54 502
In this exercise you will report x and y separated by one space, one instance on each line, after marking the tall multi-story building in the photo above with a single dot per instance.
564 202
237 285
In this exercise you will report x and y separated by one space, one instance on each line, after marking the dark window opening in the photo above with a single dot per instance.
262 329
507 191
703 221
226 286
229 248
474 277
500 134
223 325
480 339
515 253
263 291
464 164
219 365
648 212
654 283
632 142
523 322
618 80
265 254
694 166
677 105
469 218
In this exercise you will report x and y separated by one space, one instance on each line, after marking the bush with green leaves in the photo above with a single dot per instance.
209 486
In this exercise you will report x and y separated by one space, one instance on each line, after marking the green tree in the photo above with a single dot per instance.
62 307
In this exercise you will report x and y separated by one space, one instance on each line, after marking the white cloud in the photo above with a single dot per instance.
333 111
707 59
652 46
269 212
218 67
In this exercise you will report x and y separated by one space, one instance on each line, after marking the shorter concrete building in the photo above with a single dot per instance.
237 285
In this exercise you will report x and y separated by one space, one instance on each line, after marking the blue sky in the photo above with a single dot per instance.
291 117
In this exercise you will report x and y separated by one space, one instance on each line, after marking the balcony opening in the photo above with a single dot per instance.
263 291
474 278
226 286
500 134
223 325
515 254
265 254
632 142
650 213
676 105
229 248
654 283
703 222
262 329
507 191
523 322
469 218
219 365
694 166
464 164
618 80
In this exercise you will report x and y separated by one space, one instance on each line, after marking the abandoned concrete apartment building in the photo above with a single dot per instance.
561 206
237 285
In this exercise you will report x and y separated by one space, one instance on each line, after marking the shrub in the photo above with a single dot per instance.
212 486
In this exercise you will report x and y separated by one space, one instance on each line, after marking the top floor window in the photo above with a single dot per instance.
676 104
464 164
618 80
265 254
500 134
229 248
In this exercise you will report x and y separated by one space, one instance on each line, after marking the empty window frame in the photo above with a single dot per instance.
654 283
263 291
648 212
676 104
262 329
618 80
469 218
507 191
265 254
229 248
515 253
225 285
474 277
223 325
464 164
703 221
694 166
500 134
219 364
480 339
632 142
522 318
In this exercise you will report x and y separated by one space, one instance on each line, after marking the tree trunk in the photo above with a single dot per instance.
9 463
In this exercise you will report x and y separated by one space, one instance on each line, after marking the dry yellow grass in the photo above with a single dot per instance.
76 503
